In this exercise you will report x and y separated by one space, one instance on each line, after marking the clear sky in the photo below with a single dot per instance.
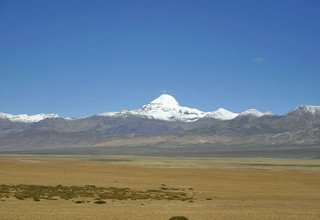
79 58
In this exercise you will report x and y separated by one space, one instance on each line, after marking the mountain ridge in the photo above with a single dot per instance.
139 132
166 108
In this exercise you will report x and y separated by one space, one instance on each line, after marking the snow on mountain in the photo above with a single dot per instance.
255 112
164 101
27 118
221 114
312 109
166 107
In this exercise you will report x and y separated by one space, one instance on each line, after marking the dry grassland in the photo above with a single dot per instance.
141 188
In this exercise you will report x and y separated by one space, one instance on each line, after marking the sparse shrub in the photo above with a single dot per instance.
74 193
36 199
178 218
100 202
78 201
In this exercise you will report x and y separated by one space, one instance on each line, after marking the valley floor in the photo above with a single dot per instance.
219 188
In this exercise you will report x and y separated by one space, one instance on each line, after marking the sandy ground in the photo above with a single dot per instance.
222 188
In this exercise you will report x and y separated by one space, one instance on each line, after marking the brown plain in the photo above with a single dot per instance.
222 188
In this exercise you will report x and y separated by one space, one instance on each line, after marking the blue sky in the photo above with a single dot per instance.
79 58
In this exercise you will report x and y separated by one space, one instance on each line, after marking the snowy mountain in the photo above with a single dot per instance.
161 123
303 109
166 108
255 113
221 114
27 118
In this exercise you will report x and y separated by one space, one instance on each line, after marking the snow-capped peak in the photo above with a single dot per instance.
166 108
221 114
255 112
27 118
312 109
165 100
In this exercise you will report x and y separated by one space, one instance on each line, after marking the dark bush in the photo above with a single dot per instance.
100 202
178 218
79 202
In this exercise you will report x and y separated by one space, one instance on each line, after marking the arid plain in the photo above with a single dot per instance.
158 188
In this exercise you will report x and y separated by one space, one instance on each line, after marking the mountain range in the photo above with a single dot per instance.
165 107
163 127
